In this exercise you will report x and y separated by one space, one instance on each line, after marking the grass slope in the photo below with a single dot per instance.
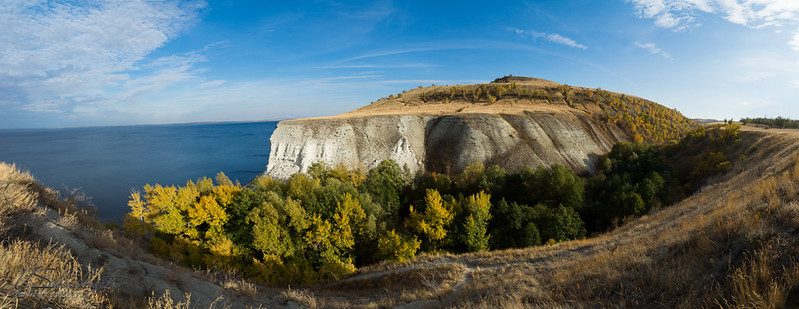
732 244
55 254
642 120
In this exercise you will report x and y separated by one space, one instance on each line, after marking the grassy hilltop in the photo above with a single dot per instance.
641 119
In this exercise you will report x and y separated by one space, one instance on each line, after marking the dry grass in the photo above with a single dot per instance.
34 276
733 244
15 190
242 287
165 301
303 297
756 284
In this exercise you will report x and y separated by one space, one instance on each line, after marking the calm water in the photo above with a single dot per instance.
106 163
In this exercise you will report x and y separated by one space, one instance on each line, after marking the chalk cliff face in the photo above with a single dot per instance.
442 143
512 122
355 142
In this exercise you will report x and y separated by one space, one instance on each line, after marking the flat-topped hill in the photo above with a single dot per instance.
513 121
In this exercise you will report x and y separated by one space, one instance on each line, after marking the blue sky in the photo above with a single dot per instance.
119 62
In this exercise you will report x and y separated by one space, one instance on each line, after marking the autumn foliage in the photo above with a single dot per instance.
324 224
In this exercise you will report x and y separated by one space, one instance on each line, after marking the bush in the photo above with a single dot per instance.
394 247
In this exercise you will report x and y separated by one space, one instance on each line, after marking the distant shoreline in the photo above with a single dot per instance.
150 124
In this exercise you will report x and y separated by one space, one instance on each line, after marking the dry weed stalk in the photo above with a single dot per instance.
242 287
302 297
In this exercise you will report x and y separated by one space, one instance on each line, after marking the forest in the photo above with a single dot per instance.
326 223
779 122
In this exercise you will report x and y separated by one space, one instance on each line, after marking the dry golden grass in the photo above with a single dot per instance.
15 190
166 301
735 243
301 297
242 287
34 274
31 276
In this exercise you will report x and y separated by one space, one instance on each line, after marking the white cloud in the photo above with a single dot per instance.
681 14
557 38
54 56
652 48
794 43
552 37
213 83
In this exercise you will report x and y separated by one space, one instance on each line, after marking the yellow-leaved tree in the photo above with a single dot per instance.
136 221
334 241
207 210
432 224
166 217
475 227
394 247
348 221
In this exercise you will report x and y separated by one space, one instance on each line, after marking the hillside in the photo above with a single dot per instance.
55 254
732 244
513 122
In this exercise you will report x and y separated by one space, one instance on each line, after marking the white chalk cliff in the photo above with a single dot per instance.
447 136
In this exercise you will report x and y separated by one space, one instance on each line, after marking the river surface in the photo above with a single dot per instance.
106 163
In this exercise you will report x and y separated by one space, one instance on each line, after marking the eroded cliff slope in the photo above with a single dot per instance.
513 122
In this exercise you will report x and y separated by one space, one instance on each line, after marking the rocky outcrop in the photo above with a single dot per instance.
445 142
355 142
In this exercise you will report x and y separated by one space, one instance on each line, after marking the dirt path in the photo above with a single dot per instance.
471 267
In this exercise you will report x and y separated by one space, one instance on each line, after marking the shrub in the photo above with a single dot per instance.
394 247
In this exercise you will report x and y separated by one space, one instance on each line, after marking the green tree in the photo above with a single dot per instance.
385 183
512 226
469 179
269 233
557 185
475 229
561 223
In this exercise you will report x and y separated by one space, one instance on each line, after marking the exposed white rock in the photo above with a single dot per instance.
443 143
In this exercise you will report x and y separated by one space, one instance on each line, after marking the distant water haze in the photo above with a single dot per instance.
106 163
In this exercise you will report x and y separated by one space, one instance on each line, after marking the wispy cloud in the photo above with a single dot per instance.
55 56
378 10
652 48
378 66
552 37
388 53
682 14
213 83
759 66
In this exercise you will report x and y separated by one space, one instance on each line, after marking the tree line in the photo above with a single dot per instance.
779 122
